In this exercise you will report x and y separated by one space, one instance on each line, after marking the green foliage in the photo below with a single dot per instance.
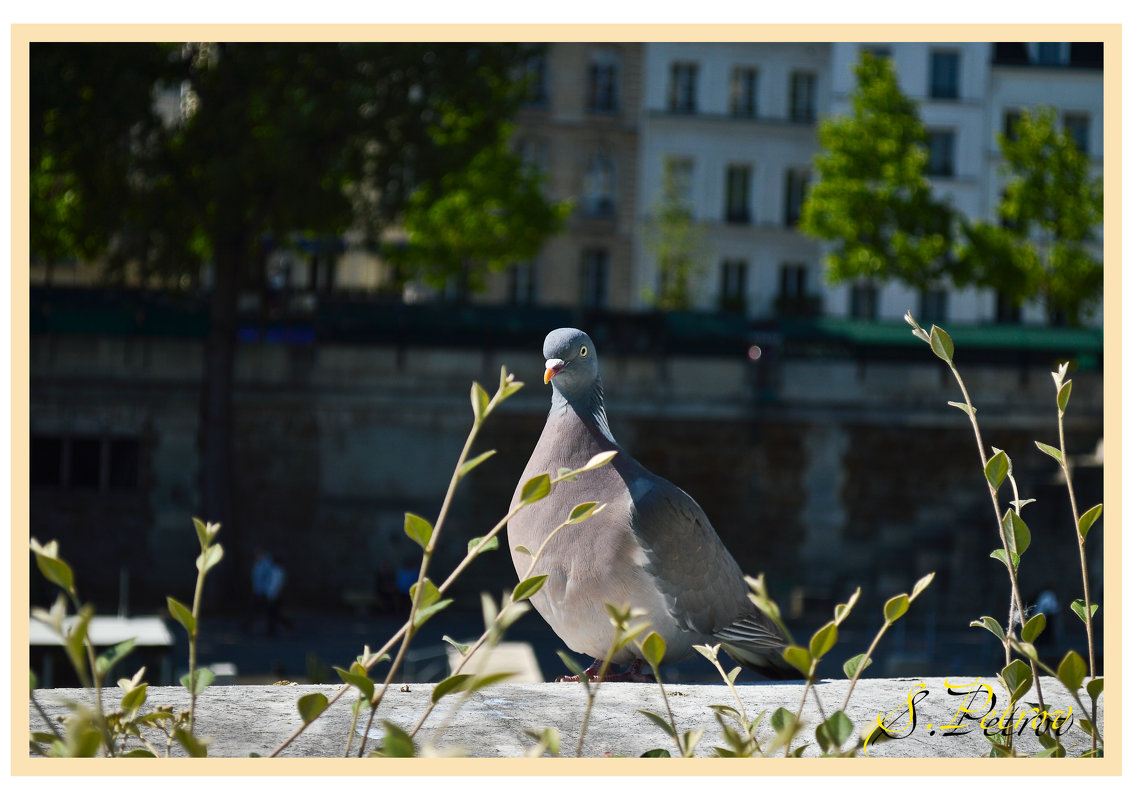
872 201
678 243
1051 209
480 219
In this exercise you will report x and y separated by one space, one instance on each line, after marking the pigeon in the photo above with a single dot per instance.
651 547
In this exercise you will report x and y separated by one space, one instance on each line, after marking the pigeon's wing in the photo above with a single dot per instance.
701 582
698 577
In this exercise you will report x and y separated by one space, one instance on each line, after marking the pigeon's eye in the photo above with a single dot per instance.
583 351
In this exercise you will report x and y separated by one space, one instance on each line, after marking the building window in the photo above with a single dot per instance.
944 75
742 92
1011 124
796 190
794 300
738 180
878 51
85 462
602 80
802 97
942 146
734 285
1078 127
864 302
535 80
521 284
598 189
934 306
1049 54
683 87
1007 312
595 270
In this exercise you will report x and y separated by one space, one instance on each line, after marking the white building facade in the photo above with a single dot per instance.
740 120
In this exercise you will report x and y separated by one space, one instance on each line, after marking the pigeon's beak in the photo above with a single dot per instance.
553 367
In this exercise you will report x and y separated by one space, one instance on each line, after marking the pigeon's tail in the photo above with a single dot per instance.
757 645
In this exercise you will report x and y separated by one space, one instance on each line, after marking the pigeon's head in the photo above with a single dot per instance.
571 362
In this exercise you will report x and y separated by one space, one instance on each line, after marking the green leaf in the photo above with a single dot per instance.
964 407
689 740
535 488
362 683
823 640
210 558
479 401
429 593
134 698
941 343
462 649
653 649
523 550
1036 624
473 462
842 610
1063 396
799 658
452 684
112 656
732 674
1094 687
479 682
418 529
1017 533
656 753
74 642
206 532
573 666
397 743
198 681
782 720
1000 555
137 753
996 469
922 583
850 667
583 511
1054 453
991 624
528 587
55 569
598 460
661 722
1087 519
1027 649
182 615
1071 672
896 607
1080 609
1017 678
429 611
492 544
833 732
193 746
311 706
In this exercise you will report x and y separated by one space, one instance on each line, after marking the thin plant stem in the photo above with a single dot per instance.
862 663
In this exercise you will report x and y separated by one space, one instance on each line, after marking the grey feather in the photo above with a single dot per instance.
652 547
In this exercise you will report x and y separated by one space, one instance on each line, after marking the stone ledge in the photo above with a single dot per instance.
247 719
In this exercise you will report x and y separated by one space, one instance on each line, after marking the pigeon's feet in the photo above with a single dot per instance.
632 673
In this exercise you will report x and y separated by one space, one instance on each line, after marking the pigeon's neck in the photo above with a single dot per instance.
588 408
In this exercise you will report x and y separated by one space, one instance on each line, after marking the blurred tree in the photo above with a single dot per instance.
677 240
479 219
872 200
162 158
1049 213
